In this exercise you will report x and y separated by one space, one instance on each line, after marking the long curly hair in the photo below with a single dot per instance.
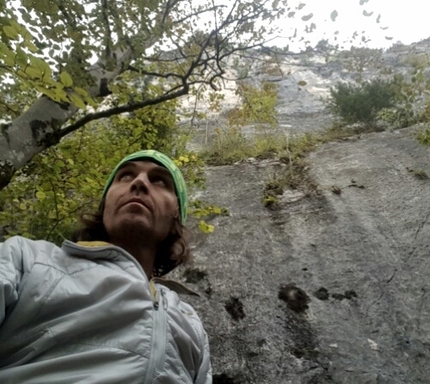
171 252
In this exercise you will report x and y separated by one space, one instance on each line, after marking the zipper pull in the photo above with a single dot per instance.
154 295
156 300
163 295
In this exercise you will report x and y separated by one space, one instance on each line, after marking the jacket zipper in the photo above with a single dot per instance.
157 353
159 336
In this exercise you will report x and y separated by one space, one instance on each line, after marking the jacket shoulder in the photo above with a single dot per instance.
24 253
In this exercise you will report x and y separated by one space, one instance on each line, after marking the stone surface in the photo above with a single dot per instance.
329 288
332 288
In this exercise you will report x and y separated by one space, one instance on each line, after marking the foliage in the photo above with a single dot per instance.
199 209
228 146
273 188
358 59
398 117
361 103
102 59
424 116
412 90
81 55
424 136
293 154
258 106
269 200
272 65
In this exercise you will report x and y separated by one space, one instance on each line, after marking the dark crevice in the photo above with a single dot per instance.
234 307
296 298
223 379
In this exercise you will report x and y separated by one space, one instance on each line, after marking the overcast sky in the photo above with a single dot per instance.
405 21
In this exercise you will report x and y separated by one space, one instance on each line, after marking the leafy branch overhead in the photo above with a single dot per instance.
65 64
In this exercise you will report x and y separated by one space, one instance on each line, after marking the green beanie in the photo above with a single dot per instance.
166 162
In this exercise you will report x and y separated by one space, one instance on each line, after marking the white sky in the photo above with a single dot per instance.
406 21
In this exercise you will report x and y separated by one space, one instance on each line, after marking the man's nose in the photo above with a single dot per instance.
140 183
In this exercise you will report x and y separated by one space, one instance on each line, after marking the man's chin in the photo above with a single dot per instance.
133 226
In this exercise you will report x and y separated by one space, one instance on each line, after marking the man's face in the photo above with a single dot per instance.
141 201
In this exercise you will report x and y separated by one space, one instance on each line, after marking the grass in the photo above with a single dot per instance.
230 146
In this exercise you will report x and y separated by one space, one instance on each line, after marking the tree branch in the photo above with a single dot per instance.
122 109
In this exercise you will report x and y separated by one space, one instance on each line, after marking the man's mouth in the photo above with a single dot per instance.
137 201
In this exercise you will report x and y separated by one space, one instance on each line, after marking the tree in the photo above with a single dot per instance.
66 63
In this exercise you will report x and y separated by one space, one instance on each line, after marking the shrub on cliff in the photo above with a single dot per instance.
361 103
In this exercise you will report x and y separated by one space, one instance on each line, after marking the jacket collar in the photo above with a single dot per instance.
102 249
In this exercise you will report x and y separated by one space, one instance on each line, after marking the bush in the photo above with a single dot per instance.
400 117
424 136
361 103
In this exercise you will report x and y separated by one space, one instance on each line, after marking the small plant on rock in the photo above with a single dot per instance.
424 136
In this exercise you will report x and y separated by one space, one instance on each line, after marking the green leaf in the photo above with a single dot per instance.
11 32
21 57
40 64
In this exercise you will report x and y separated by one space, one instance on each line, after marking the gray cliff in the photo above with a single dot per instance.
330 287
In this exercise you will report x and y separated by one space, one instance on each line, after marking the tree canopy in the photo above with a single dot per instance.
66 63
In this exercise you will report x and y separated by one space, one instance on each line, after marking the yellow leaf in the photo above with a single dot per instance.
65 79
206 228
40 64
75 99
80 91
31 46
40 195
32 72
46 92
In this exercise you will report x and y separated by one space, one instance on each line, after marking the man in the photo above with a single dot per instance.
94 310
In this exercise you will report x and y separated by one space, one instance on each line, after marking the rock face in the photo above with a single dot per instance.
303 83
329 288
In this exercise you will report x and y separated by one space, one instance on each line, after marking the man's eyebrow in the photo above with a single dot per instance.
158 169
127 164
163 171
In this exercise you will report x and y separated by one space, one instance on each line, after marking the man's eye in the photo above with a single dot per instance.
125 176
159 180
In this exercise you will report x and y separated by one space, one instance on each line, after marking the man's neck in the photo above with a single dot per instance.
143 254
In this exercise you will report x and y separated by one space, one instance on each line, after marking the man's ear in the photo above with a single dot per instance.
176 214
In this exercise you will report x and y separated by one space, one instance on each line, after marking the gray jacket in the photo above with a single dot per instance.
81 314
